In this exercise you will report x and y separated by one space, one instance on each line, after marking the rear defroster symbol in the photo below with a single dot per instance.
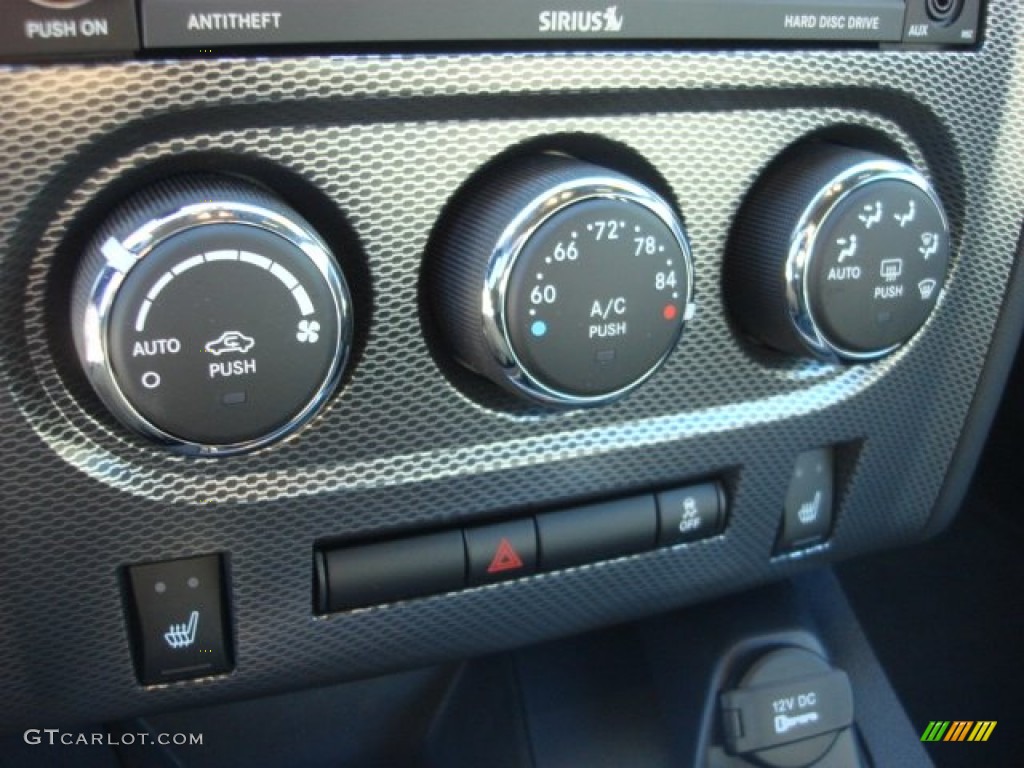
891 269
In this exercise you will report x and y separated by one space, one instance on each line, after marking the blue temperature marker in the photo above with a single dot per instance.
539 328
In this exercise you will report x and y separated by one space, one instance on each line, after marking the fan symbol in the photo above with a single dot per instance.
309 332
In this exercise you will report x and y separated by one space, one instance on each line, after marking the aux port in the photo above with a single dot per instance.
944 12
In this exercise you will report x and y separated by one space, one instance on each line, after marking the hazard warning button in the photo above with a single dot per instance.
501 552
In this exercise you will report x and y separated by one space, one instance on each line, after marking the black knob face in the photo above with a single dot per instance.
838 252
583 282
596 297
210 317
877 265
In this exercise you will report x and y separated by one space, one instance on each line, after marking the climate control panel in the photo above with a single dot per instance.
564 282
839 252
210 317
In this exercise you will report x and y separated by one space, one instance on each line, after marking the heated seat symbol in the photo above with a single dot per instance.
808 512
183 635
505 559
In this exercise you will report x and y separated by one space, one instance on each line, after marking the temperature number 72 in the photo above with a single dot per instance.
606 230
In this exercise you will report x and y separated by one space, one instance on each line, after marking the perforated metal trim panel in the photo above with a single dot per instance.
383 142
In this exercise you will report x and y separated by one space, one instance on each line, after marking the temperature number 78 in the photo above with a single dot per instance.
648 245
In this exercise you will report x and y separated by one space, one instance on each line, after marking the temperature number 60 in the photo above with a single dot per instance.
543 294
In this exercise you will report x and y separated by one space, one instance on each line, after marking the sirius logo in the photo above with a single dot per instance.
608 20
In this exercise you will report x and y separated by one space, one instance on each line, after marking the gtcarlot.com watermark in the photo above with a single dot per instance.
54 737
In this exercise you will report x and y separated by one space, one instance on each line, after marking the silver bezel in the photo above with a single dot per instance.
800 257
506 252
122 256
60 5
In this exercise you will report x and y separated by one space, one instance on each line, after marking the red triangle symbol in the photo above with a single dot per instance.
505 559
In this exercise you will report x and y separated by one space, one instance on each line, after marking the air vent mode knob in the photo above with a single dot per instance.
210 317
837 252
565 283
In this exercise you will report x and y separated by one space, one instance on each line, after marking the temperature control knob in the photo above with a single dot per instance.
839 252
210 317
562 281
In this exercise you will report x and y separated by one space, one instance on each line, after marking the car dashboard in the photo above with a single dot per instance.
436 498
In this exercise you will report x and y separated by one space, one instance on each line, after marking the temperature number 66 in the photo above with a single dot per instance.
565 252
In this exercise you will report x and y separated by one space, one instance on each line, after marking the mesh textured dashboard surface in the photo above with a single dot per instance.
374 147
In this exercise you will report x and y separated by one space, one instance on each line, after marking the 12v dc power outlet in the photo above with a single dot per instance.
788 710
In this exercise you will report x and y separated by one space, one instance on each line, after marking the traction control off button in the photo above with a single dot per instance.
788 710
689 514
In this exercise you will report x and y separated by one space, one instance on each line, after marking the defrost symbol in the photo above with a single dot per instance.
926 288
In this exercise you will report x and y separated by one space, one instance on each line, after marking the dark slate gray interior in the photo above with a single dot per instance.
371 148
